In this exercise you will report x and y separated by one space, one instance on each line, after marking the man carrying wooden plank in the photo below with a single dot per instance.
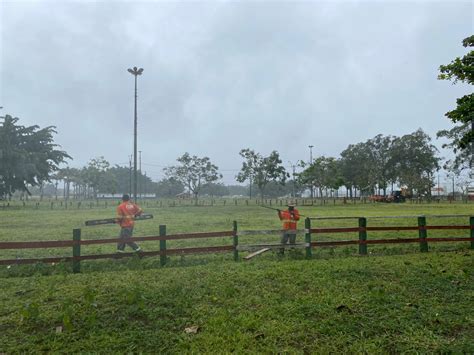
126 213
289 219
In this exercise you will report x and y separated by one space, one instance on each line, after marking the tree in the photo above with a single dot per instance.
462 157
324 172
261 170
28 156
95 175
169 187
194 173
415 161
462 70
381 153
357 168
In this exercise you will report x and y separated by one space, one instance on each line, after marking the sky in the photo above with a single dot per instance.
220 76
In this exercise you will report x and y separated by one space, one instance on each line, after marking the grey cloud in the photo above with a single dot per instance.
221 76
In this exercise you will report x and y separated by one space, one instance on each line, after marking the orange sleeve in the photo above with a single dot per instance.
297 215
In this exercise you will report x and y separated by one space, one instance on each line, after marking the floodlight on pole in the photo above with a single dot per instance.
135 72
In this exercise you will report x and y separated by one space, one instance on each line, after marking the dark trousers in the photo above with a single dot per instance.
126 232
284 239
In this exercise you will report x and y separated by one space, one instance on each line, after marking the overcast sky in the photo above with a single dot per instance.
220 76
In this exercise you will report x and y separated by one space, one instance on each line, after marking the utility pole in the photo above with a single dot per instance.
311 163
140 178
135 72
130 174
294 182
145 183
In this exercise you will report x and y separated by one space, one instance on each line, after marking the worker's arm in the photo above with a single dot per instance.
139 211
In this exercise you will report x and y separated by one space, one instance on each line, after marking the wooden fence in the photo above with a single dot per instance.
362 229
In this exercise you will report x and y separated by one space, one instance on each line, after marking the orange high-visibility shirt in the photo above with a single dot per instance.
289 219
126 212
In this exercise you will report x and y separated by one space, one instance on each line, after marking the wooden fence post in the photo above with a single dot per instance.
162 245
422 233
362 236
76 251
471 222
236 242
307 238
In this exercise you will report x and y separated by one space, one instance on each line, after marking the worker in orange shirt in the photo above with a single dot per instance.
126 213
289 219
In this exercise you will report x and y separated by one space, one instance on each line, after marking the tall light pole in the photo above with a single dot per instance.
135 72
130 174
294 182
311 163
140 168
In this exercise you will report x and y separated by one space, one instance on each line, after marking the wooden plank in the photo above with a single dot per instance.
39 244
269 231
334 230
258 252
396 228
333 243
395 217
448 227
453 239
388 241
69 243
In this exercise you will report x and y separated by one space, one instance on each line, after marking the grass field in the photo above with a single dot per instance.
395 300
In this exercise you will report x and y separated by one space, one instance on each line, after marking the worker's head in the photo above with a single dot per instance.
291 206
125 197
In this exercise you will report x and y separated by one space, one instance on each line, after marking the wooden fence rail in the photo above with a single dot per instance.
362 241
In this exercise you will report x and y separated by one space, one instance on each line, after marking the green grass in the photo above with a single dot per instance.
395 300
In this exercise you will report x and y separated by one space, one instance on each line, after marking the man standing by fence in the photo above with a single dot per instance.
126 213
290 219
